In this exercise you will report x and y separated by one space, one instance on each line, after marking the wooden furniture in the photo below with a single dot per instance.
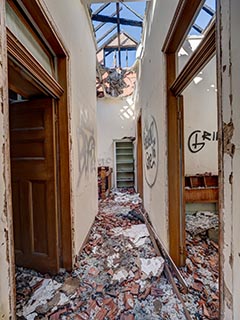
201 188
104 182
124 163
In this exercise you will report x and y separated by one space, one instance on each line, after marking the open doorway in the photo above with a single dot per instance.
201 217
187 56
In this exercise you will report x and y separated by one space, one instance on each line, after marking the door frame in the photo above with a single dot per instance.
57 88
139 156
185 14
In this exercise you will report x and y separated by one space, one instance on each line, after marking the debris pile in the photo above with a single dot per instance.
202 269
115 82
117 275
201 222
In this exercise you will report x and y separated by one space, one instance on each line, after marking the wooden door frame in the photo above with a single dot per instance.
185 15
139 156
58 89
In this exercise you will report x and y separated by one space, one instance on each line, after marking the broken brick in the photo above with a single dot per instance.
93 271
101 314
128 301
127 317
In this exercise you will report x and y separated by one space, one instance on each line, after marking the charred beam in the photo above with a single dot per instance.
103 23
133 11
127 22
209 10
197 28
118 31
106 34
101 8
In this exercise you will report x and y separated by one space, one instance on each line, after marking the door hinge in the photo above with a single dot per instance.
179 115
181 250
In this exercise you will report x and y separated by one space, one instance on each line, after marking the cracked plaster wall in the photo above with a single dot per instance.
74 27
6 248
229 148
150 96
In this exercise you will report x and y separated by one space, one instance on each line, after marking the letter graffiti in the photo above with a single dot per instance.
104 162
86 153
198 139
150 147
150 141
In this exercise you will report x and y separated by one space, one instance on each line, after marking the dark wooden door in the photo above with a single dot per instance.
33 165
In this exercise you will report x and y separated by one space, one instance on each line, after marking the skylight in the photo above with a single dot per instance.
118 29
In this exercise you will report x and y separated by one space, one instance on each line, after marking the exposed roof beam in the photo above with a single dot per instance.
122 21
107 42
108 51
197 28
133 11
118 31
101 8
103 23
209 10
106 34
107 1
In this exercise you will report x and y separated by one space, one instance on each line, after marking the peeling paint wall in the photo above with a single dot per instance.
115 120
72 22
6 250
151 97
229 149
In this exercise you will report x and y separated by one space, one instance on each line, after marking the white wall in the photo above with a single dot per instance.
73 25
151 98
115 120
229 149
200 123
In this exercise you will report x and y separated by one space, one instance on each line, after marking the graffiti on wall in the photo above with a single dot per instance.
86 149
150 143
198 139
102 162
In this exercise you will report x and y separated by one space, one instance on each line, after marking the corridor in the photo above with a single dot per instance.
119 185
117 275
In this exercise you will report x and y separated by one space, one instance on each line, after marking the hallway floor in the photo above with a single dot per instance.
117 275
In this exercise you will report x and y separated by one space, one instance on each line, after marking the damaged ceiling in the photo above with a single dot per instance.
118 29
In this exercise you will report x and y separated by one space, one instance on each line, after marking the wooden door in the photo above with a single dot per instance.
32 147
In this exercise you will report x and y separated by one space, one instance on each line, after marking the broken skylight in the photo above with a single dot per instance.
118 29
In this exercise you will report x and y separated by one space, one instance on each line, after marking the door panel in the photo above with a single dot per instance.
33 168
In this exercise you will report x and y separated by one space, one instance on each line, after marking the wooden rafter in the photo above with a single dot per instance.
127 22
103 23
133 11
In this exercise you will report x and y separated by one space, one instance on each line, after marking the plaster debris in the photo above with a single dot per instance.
121 275
202 270
117 276
137 233
152 267
201 222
